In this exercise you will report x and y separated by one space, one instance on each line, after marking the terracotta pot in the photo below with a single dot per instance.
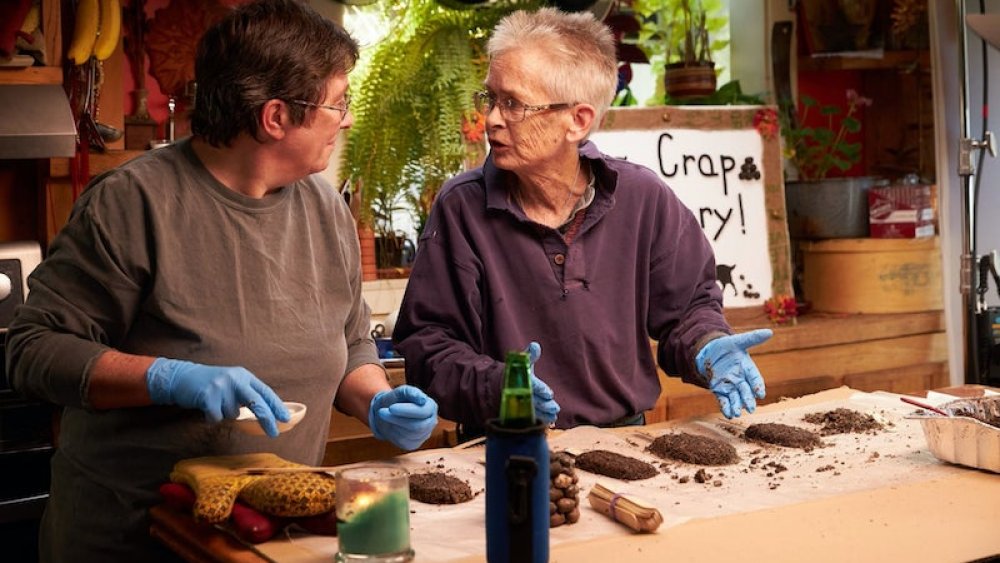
684 82
393 251
369 265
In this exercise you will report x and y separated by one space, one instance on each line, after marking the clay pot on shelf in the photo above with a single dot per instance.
684 81
369 265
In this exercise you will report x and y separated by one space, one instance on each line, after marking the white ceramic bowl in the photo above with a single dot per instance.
247 420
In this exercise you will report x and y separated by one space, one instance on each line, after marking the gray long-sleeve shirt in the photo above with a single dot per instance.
160 259
487 280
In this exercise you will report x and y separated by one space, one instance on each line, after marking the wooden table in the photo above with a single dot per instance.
950 518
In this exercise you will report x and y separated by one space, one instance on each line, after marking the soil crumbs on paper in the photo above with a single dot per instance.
783 435
611 464
691 448
439 488
844 421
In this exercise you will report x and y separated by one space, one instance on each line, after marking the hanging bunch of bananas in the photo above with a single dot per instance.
97 30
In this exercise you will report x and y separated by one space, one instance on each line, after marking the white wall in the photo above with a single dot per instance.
749 45
987 226
947 121
947 73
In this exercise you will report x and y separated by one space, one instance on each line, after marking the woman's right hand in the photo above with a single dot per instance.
217 391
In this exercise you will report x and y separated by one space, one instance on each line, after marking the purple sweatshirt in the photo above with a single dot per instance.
487 280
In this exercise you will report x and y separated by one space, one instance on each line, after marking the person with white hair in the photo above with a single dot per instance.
553 243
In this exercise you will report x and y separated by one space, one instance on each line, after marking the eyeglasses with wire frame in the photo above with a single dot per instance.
510 108
343 109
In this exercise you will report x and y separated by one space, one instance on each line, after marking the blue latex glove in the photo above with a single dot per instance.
546 407
405 416
217 391
731 374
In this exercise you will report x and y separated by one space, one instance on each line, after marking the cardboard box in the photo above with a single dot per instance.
901 211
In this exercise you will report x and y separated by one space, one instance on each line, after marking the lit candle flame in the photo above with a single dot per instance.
362 500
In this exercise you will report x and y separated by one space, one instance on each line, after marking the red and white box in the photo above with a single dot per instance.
901 211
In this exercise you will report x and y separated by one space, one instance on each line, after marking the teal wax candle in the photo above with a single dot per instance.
381 527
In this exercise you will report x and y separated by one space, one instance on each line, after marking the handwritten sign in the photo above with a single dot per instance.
727 171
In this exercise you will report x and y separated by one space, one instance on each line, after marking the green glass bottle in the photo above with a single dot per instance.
517 407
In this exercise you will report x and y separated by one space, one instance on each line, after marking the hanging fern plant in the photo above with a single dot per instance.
411 98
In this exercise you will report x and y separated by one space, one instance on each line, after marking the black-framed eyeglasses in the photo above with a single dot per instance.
510 108
343 109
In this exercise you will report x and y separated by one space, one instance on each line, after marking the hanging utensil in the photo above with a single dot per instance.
102 133
88 130
108 133
171 109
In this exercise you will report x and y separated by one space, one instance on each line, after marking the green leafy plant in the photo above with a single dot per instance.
685 32
413 91
816 150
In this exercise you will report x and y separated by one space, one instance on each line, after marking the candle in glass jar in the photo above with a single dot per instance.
378 525
373 514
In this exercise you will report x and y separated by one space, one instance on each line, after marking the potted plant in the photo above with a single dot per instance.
817 149
413 93
677 36
817 142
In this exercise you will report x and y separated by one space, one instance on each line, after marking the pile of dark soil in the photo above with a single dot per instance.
611 464
692 448
783 435
844 421
439 488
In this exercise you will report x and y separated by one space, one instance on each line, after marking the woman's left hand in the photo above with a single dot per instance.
405 416
731 374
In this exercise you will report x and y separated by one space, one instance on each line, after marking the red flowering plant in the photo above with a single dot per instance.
474 134
781 309
815 150
473 127
766 122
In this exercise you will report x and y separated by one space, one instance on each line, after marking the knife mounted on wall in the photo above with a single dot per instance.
781 69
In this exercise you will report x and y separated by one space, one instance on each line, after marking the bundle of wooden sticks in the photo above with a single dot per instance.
624 509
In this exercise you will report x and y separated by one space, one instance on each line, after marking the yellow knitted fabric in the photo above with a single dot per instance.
292 494
217 481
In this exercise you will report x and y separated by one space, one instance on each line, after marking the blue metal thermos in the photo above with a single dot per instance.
517 494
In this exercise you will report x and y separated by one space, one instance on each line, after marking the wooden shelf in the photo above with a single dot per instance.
889 60
31 75
99 162
902 353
